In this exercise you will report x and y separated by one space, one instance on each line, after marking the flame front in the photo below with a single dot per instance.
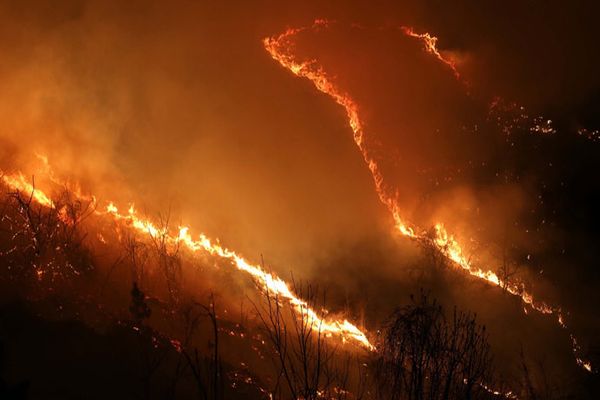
281 50
19 183
272 284
269 282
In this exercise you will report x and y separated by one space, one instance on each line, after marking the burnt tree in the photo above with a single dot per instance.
426 354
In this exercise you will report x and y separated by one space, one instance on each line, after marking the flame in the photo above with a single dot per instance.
280 48
430 43
270 283
448 246
19 183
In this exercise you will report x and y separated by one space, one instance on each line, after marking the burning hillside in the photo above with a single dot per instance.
279 48
182 201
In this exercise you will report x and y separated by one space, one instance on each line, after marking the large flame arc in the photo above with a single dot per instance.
280 48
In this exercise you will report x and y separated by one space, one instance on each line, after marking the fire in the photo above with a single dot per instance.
19 183
430 43
280 49
272 284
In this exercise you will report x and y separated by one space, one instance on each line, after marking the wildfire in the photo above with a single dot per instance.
271 283
274 285
280 49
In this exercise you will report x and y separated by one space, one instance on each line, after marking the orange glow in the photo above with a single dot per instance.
281 50
272 284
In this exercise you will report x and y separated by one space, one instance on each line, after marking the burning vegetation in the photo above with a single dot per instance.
54 248
109 300
280 48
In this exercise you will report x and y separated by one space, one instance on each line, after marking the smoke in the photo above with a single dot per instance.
178 108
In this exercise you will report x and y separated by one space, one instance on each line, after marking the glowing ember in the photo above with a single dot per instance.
281 50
